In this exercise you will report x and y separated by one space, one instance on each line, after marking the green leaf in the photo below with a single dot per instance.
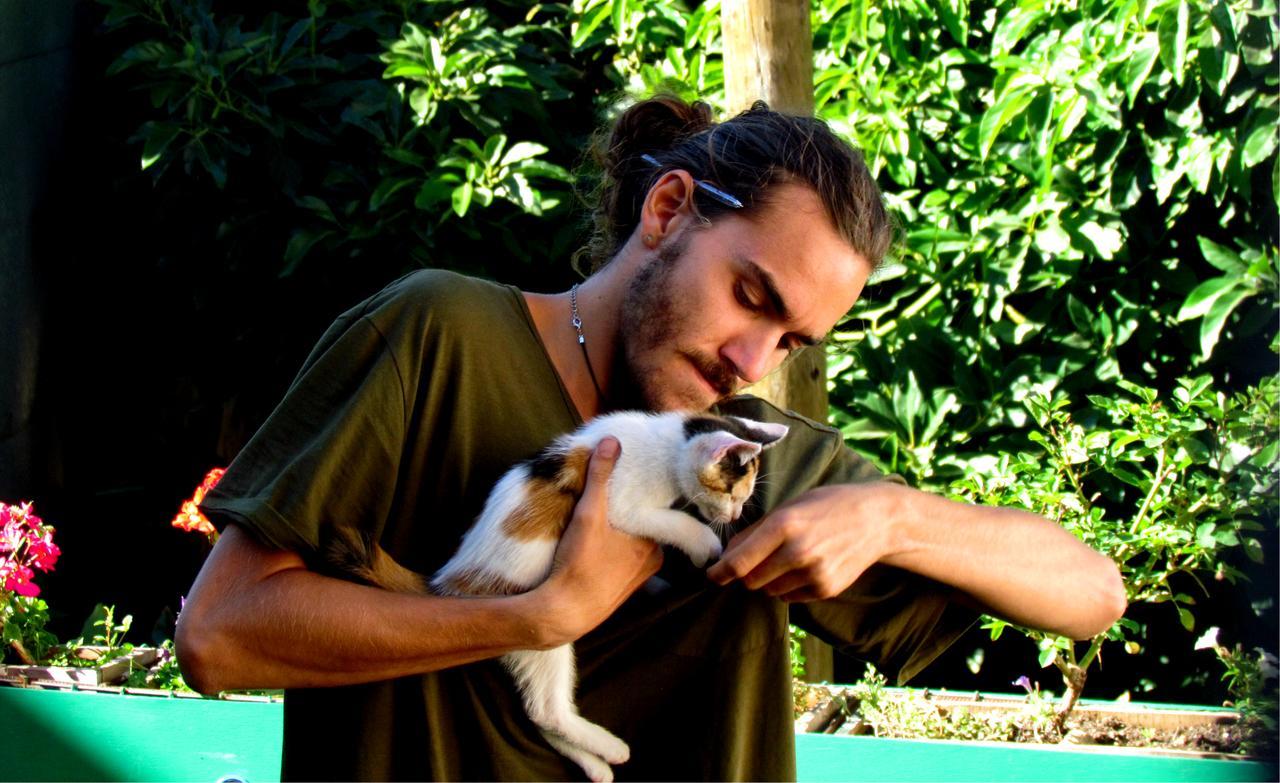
1226 537
1172 30
1204 535
1009 106
1216 318
1187 619
159 137
1202 297
1079 315
1260 144
1221 257
493 149
462 198
1139 64
1224 22
522 150
1106 240
1253 548
618 12
588 24
300 244
386 189
435 190
1047 657
955 15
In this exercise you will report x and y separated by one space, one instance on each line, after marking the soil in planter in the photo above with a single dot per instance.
836 711
1217 738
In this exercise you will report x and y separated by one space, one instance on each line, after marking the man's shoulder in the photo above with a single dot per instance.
436 290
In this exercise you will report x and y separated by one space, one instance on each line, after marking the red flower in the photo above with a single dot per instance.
190 518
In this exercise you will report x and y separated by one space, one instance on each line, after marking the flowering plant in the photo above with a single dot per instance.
26 546
190 518
26 543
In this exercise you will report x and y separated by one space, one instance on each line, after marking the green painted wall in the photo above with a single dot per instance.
73 736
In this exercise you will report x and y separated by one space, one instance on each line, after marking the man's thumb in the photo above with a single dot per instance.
599 469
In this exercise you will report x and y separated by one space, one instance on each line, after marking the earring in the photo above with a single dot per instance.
648 240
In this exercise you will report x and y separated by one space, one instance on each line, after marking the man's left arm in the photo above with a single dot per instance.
1013 564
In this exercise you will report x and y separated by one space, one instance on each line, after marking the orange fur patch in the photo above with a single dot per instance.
719 481
550 502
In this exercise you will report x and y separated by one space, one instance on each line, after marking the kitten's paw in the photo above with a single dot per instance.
706 548
616 751
594 766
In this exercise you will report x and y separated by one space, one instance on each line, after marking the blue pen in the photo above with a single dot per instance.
712 190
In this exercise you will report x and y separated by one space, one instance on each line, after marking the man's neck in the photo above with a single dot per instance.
598 301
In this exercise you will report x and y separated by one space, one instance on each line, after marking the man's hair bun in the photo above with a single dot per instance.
655 125
744 156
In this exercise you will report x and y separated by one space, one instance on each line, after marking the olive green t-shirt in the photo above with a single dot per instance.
401 420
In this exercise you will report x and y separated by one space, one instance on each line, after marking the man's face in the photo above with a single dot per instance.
718 308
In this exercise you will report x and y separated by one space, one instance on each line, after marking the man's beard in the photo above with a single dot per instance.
647 326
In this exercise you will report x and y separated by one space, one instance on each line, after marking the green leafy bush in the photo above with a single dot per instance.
1199 468
1088 199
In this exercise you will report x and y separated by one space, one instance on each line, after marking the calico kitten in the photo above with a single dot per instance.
708 461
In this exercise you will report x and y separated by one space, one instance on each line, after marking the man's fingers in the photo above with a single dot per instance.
785 583
747 550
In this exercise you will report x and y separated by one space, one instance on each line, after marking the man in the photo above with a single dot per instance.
727 246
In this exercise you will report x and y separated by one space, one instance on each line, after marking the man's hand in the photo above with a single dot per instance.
1011 563
813 546
597 567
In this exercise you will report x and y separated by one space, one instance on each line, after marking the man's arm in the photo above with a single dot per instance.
1012 563
258 618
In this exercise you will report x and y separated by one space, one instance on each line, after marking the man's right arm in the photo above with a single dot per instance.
258 618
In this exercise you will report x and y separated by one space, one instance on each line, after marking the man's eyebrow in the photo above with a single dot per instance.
775 297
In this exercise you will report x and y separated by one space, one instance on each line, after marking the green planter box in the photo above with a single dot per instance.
822 757
105 734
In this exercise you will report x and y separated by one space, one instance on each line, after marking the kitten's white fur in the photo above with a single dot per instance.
657 466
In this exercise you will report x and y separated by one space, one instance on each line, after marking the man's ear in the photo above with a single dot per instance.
668 205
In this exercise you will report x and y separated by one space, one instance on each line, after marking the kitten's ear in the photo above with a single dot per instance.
718 445
763 432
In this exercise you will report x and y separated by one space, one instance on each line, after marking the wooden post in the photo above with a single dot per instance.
768 55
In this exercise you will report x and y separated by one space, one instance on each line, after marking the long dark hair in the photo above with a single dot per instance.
744 156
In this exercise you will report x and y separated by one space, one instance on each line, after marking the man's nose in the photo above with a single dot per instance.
753 355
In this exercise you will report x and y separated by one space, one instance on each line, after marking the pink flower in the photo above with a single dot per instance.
18 580
25 543
43 552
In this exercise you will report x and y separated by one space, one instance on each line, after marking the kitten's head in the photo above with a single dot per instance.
719 463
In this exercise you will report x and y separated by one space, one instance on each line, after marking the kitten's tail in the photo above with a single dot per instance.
355 552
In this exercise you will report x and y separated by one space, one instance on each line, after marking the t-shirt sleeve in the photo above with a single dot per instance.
331 448
894 618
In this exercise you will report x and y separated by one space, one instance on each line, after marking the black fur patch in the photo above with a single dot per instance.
546 465
732 468
701 425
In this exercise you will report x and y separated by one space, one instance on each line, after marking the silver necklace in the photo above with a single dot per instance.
582 339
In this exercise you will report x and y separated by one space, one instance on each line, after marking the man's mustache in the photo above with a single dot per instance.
721 375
